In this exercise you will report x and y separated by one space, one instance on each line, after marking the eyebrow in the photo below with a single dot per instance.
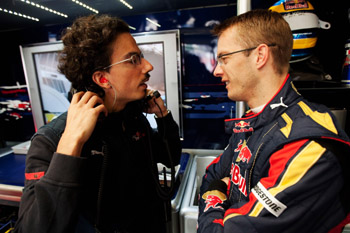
219 54
128 55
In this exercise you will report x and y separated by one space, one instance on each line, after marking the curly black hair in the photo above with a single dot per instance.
88 48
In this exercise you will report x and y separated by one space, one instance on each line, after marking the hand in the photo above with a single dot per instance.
156 105
82 116
226 180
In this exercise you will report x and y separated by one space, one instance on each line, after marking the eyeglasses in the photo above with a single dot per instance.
221 62
135 59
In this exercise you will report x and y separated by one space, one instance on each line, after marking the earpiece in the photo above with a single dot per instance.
103 80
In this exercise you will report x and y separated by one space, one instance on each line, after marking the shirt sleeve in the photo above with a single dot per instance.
52 185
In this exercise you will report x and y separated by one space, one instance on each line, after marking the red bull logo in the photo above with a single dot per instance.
212 201
244 152
238 179
295 4
242 127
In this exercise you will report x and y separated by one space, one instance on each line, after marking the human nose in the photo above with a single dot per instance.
147 66
218 72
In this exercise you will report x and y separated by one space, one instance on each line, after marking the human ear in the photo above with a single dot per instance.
262 55
99 78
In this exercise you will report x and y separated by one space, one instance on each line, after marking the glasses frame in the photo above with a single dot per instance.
220 62
135 60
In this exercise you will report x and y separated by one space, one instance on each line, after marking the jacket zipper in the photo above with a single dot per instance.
101 185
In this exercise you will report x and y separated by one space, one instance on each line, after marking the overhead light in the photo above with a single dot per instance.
45 8
126 4
86 6
131 27
19 14
151 21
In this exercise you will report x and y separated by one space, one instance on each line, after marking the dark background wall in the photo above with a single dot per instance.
329 49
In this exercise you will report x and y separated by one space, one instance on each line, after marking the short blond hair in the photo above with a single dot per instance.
263 27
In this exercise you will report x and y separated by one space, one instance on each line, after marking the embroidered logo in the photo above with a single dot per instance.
138 136
238 179
242 127
281 104
95 152
244 152
270 202
212 199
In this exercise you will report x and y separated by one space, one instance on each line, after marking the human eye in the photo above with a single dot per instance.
132 59
223 59
137 58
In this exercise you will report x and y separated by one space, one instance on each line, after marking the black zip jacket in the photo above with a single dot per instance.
110 188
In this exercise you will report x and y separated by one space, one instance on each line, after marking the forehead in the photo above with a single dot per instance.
228 40
124 45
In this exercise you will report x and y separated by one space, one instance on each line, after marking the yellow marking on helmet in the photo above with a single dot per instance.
304 43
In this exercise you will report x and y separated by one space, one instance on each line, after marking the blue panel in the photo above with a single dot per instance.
12 169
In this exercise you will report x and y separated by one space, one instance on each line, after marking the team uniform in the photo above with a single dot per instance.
286 169
110 188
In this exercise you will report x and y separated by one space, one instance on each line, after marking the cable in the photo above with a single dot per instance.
172 168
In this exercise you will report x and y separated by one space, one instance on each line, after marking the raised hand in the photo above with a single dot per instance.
82 116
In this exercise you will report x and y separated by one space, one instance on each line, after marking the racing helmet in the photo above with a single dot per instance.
304 24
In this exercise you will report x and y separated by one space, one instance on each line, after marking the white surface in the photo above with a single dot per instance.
21 148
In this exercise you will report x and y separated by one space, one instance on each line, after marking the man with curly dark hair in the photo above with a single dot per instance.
92 169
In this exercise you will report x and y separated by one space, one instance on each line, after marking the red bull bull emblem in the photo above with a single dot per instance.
213 199
242 127
244 152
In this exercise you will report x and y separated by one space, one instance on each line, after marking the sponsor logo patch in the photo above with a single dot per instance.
270 203
238 179
212 199
242 127
295 4
244 152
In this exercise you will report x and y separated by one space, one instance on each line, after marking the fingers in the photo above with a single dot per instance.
77 96
102 108
89 100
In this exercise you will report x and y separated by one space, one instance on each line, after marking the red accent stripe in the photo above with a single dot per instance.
278 162
219 221
339 228
337 139
13 91
216 160
34 175
228 189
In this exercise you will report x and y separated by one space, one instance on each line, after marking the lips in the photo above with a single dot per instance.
143 83
226 82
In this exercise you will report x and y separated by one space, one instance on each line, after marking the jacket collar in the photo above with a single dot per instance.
286 96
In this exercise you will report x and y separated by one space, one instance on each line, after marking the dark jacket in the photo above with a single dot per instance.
111 187
287 169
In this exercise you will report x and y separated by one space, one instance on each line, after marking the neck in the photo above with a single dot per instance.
266 90
112 103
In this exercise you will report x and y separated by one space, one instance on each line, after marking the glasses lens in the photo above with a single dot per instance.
136 59
219 61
